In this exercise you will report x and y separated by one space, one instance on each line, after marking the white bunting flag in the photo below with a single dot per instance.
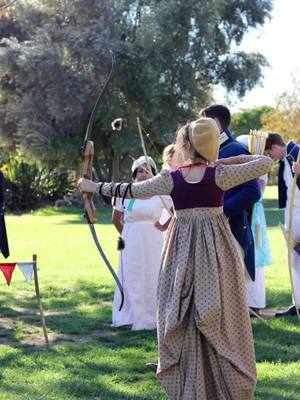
27 270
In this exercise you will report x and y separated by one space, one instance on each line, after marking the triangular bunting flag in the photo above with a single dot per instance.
27 270
7 269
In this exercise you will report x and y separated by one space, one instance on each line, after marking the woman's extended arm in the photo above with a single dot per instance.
241 159
161 184
243 170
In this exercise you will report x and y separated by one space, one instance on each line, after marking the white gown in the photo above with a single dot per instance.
288 178
256 291
139 262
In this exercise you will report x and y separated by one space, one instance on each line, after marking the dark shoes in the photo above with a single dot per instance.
151 366
290 312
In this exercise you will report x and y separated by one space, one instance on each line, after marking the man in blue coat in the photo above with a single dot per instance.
287 154
238 201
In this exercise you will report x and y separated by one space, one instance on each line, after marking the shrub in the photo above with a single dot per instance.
27 186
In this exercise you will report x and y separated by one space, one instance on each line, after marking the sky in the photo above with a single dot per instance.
278 41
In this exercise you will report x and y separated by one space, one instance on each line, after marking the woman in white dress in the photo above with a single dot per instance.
139 261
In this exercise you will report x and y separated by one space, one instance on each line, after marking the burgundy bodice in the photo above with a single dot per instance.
201 194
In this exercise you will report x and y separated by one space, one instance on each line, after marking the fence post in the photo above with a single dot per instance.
38 298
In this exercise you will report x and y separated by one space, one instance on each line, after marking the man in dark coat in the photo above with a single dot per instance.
238 201
3 237
287 154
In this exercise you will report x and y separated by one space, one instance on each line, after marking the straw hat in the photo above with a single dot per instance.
204 137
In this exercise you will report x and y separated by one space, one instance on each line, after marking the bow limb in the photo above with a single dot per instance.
88 155
290 240
107 263
86 172
88 149
148 163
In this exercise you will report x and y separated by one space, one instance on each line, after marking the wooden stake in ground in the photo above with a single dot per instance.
38 298
261 319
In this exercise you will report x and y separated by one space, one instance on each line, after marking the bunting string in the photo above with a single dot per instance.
25 267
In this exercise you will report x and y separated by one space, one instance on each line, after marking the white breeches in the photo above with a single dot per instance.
296 260
256 291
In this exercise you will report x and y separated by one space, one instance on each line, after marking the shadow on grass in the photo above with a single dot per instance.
106 368
277 389
279 299
93 371
280 344
274 217
56 297
81 322
78 310
6 311
84 292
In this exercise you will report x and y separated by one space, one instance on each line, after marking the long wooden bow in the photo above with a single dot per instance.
290 240
86 172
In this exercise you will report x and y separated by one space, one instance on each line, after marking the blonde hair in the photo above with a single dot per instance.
184 147
168 153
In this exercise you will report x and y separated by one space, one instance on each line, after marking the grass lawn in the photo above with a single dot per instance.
88 359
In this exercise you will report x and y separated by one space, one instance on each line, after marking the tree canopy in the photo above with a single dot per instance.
251 118
55 56
285 118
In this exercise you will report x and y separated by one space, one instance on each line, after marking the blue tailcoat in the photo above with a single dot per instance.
237 203
292 151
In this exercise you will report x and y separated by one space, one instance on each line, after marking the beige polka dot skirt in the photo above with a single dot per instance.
204 333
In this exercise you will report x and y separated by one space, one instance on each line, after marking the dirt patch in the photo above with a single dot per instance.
32 334
57 338
37 340
24 312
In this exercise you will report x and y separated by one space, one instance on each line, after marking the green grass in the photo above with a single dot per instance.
88 359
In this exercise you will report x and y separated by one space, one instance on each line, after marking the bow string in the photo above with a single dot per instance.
87 172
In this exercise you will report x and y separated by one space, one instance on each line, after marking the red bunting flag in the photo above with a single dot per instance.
7 269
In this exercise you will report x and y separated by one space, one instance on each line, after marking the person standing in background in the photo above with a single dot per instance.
171 160
287 154
238 201
139 261
256 291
